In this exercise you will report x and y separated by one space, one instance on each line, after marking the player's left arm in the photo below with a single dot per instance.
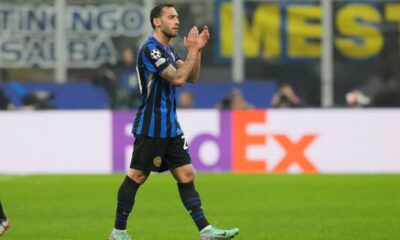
194 74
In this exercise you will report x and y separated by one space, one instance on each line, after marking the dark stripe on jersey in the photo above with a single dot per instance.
175 119
171 116
163 130
148 63
178 127
144 79
168 94
139 119
157 110
149 110
154 120
149 78
139 116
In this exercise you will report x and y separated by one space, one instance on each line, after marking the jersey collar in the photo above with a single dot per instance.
153 39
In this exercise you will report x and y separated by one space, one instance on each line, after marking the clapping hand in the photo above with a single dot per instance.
196 41
203 37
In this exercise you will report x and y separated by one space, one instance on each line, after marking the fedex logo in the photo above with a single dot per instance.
223 141
235 143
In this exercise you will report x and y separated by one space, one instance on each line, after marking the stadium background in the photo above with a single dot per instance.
64 112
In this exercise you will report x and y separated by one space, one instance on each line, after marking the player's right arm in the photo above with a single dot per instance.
193 44
158 62
179 77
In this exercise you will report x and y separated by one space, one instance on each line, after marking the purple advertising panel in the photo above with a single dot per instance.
122 139
197 133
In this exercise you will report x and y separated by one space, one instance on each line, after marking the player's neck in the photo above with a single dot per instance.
162 38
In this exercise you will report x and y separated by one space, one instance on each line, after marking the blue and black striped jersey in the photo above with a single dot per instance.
156 116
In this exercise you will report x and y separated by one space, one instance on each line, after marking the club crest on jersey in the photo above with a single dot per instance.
157 161
155 54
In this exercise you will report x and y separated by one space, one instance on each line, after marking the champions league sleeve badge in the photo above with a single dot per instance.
155 54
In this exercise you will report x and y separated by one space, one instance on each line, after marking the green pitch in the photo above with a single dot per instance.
276 207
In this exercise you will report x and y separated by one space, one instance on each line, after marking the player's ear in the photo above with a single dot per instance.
157 22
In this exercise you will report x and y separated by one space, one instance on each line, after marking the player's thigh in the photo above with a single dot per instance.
177 154
148 153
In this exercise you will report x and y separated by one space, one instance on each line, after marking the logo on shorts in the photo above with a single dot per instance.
157 161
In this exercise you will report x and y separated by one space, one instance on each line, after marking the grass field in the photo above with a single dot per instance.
276 207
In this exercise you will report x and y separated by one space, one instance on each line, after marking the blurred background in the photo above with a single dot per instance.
308 54
322 58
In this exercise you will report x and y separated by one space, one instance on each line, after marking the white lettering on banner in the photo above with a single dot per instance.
209 153
83 52
294 149
27 33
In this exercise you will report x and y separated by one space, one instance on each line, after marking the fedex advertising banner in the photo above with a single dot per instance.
259 141
281 141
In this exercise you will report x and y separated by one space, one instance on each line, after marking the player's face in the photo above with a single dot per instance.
169 20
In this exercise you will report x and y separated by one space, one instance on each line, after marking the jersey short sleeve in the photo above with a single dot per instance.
154 58
176 55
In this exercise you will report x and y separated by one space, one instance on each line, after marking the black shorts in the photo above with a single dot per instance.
159 154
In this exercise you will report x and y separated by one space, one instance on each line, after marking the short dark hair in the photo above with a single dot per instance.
156 12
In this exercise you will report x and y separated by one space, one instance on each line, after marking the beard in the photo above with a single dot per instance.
168 33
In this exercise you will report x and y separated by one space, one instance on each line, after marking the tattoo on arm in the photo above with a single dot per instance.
169 73
179 77
195 73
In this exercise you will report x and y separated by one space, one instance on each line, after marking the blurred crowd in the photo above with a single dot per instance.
235 101
285 97
121 84
120 81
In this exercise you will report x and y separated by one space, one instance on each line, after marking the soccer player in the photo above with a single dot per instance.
4 224
159 141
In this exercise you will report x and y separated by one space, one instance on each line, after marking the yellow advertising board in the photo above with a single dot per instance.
294 30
